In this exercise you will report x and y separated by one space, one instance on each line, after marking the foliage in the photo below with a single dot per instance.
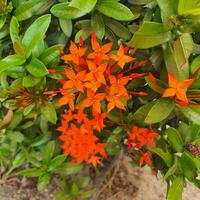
94 78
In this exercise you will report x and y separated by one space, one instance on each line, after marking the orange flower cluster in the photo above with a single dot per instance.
138 138
93 84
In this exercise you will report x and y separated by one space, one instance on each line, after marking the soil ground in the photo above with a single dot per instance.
128 184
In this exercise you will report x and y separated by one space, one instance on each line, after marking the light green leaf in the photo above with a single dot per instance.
30 81
149 35
28 109
83 5
160 111
66 26
195 65
48 152
176 189
32 172
115 10
56 162
172 169
10 62
188 7
37 68
64 11
35 33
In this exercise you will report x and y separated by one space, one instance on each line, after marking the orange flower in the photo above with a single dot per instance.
99 53
67 98
115 101
117 85
145 158
177 88
93 100
121 58
76 54
96 73
94 160
75 80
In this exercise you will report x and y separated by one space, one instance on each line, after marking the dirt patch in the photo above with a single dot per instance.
128 184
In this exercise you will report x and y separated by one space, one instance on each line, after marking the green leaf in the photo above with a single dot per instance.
192 113
167 157
2 21
48 152
120 30
32 172
41 140
155 116
142 112
175 139
176 189
56 162
183 48
51 55
83 5
66 26
10 62
189 166
98 25
49 112
28 9
69 169
28 109
74 190
187 7
172 169
64 11
149 35
14 29
19 160
43 181
37 68
195 65
115 10
30 81
35 33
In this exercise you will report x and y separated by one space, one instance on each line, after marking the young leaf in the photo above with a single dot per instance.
37 68
176 189
35 33
155 115
115 10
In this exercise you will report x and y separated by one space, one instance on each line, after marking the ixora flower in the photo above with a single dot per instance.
176 89
93 84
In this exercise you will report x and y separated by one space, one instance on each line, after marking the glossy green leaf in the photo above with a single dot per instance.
37 68
115 10
176 189
64 11
35 33
14 29
83 5
175 139
28 9
49 112
10 62
155 115
192 113
149 35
